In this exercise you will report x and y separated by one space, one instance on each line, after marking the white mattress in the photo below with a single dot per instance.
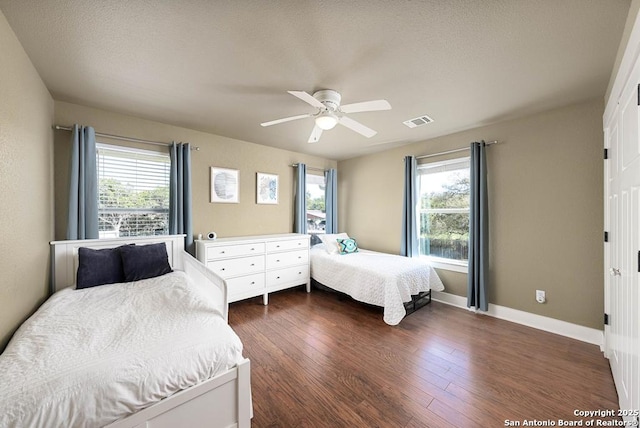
89 357
376 278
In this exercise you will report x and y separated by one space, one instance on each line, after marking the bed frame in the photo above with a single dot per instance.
417 300
222 401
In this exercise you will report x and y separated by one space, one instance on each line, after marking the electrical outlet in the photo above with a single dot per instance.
540 296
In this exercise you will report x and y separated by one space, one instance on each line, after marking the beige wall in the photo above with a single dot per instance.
26 114
545 202
634 9
244 218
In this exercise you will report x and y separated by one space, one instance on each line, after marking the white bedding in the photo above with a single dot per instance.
376 278
89 357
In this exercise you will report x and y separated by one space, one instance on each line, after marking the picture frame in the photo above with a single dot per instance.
266 188
225 185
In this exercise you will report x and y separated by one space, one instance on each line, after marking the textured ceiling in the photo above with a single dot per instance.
225 66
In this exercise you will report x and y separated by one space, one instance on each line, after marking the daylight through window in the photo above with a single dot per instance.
133 192
316 217
444 210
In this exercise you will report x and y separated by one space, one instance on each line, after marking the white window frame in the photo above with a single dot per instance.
132 150
461 266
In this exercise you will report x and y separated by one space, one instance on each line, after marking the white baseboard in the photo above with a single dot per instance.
552 325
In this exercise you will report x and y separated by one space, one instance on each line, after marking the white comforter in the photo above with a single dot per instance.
89 357
376 278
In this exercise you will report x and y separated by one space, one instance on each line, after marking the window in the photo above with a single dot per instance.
444 211
133 192
316 218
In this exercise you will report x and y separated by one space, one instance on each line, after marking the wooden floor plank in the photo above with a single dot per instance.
322 361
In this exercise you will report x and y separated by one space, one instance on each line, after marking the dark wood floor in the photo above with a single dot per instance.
321 361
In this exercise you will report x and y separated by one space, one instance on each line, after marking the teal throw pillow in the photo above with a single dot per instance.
347 246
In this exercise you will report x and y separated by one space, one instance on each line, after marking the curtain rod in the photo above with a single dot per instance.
295 165
119 137
451 151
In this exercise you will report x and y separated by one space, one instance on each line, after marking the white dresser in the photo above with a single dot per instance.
258 265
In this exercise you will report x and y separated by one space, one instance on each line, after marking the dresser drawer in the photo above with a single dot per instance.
244 284
289 244
234 267
289 258
224 251
294 275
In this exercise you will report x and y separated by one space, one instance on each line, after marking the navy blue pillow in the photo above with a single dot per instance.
144 261
99 267
314 240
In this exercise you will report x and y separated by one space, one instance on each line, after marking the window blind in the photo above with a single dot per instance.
133 191
444 166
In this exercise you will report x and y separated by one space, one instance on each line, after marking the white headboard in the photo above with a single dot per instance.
64 254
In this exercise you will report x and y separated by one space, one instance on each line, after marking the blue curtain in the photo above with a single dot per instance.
82 221
331 201
180 213
477 277
409 243
300 216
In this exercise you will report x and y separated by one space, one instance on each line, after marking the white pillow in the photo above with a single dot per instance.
331 241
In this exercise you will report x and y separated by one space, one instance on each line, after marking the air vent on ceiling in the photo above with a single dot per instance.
418 121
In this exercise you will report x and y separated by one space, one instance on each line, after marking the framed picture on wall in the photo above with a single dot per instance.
266 188
225 185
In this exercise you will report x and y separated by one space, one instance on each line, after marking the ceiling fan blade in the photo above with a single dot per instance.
286 119
357 126
307 98
374 105
315 134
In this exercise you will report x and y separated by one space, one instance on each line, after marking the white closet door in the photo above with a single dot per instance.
624 256
612 298
629 256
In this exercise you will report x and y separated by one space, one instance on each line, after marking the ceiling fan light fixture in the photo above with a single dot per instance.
326 121
330 113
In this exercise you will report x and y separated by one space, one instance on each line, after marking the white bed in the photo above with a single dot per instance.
375 278
151 353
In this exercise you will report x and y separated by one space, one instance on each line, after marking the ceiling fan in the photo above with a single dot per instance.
330 113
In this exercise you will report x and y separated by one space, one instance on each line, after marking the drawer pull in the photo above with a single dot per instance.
299 273
299 257
277 261
222 269
253 282
277 246
277 277
253 264
221 252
